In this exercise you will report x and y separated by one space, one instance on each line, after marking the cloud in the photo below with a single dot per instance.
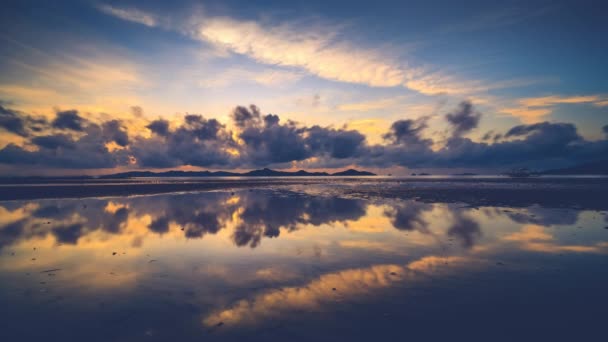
409 133
71 140
130 14
86 150
54 141
312 46
534 109
116 132
19 123
68 119
366 106
315 52
197 141
160 127
464 119
265 77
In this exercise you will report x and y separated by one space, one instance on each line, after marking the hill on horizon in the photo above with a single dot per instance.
265 172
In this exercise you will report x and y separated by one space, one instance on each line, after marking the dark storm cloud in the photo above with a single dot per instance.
160 127
54 141
242 116
114 131
464 118
12 121
336 143
266 141
197 141
86 150
19 123
408 132
69 120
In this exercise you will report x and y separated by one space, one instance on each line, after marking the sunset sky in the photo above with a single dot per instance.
90 87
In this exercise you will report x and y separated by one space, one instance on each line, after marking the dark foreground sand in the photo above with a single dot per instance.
591 193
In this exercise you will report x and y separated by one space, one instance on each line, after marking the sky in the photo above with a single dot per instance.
93 87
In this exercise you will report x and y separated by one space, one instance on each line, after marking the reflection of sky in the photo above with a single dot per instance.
251 259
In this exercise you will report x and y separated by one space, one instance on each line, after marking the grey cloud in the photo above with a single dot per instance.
160 127
114 131
464 118
54 141
19 123
267 141
70 120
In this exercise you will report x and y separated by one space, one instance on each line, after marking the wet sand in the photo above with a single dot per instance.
591 193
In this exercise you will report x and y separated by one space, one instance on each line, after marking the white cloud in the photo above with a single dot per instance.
131 14
265 77
316 49
534 109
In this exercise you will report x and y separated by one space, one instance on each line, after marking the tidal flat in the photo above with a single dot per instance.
305 259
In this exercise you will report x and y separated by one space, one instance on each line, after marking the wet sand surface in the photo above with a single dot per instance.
315 259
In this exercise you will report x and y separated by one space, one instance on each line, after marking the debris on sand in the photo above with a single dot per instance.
51 270
33 259
333 289
393 273
113 253
153 260
213 328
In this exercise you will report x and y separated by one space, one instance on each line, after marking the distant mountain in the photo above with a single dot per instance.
592 168
134 174
273 173
353 172
255 173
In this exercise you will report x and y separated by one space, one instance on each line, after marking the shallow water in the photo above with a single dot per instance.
301 262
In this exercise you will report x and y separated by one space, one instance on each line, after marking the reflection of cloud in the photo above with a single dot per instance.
366 244
275 274
465 229
261 216
530 233
433 263
311 296
409 216
544 216
324 290
535 238
253 216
